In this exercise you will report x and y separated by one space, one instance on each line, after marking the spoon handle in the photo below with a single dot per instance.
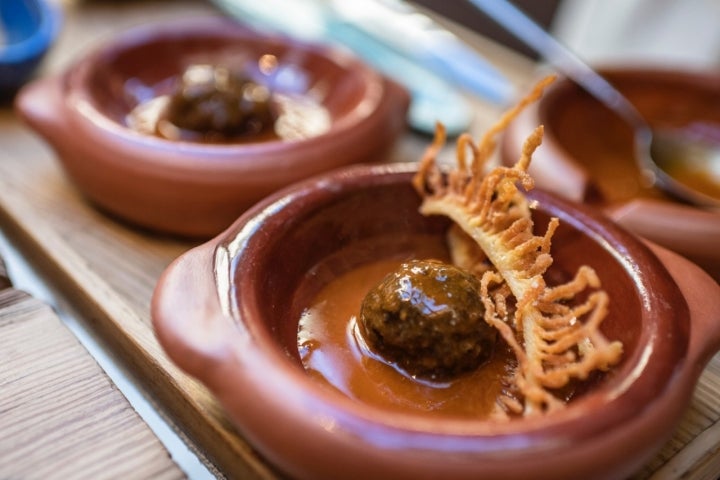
556 54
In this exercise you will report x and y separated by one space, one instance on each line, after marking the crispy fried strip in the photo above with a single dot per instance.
552 341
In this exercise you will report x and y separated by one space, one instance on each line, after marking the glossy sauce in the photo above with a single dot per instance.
703 180
700 172
331 353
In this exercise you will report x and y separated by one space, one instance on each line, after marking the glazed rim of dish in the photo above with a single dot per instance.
642 379
353 124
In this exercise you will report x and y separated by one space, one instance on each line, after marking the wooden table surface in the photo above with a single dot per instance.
60 416
107 271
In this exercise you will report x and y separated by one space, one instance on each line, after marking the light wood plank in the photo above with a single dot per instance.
60 416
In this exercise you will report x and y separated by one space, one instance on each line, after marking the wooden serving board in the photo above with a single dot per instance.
60 415
108 270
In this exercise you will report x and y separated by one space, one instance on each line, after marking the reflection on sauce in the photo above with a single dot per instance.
703 179
213 104
695 169
330 352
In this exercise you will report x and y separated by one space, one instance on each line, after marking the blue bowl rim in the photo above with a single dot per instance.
45 33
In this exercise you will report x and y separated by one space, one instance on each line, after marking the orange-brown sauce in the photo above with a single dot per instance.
701 173
330 352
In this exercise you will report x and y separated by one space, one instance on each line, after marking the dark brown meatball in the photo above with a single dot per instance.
427 319
221 103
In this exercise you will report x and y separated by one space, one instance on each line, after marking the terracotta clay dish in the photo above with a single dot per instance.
228 312
105 117
587 153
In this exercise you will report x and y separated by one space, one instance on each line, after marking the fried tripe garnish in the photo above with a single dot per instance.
553 339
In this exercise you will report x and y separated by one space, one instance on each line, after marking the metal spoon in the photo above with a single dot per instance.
652 147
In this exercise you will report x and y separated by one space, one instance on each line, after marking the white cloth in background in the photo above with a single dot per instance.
670 32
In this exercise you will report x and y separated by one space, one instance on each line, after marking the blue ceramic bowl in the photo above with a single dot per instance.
27 29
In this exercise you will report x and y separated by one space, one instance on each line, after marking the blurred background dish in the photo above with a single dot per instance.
28 29
438 69
587 154
107 118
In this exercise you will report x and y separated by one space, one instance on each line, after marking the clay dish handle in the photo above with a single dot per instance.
40 105
692 232
702 294
189 319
